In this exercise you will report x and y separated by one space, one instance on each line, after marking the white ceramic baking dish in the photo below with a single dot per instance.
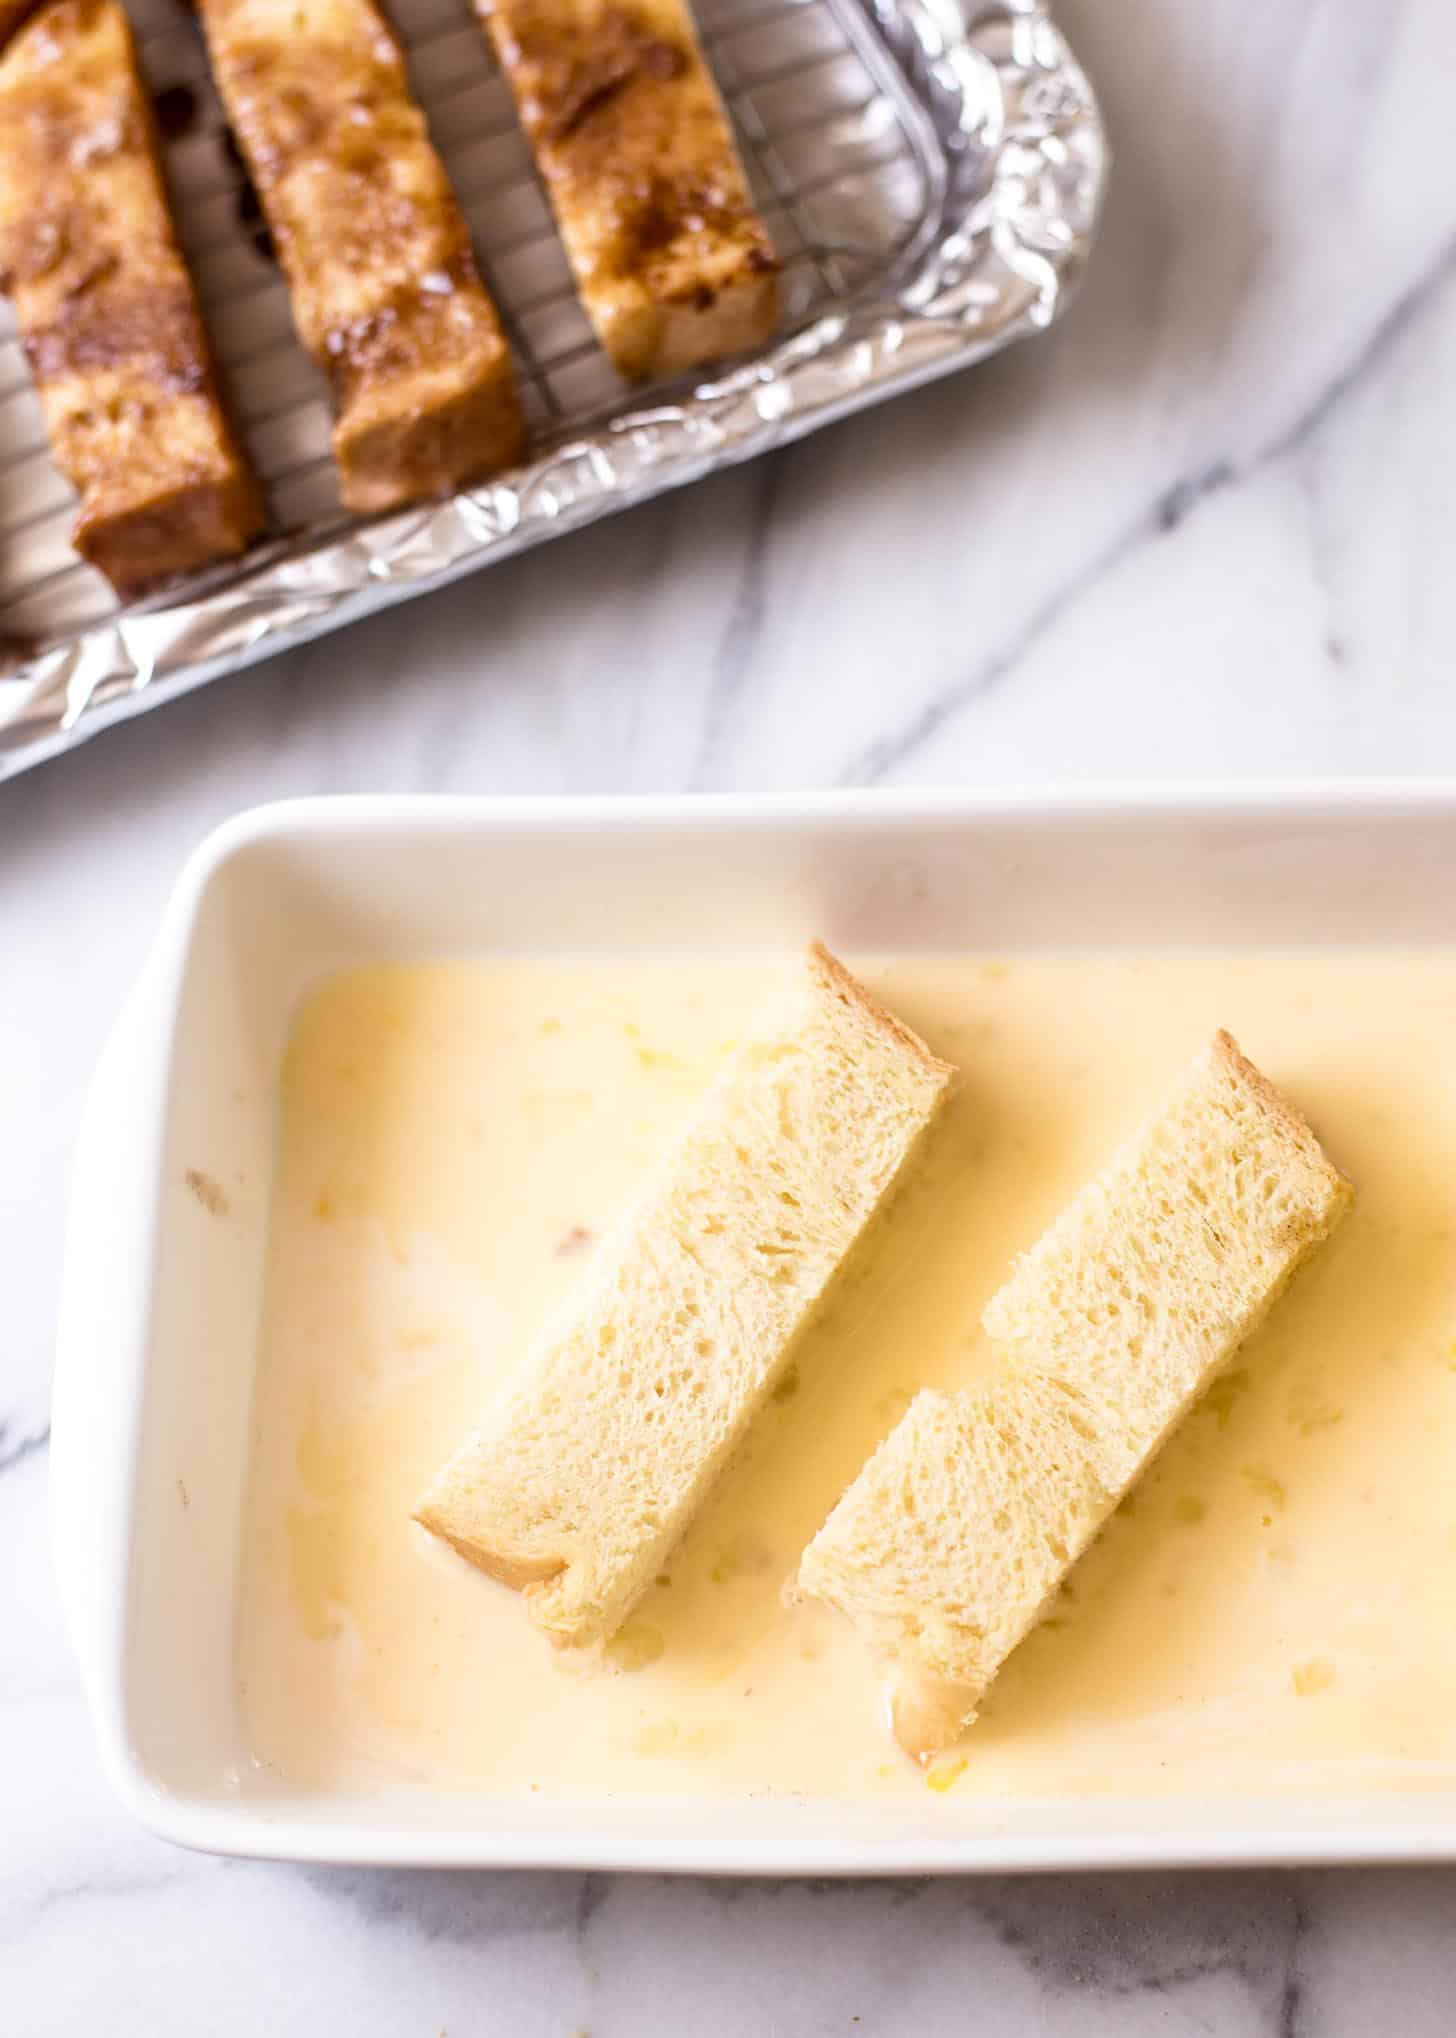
158 1322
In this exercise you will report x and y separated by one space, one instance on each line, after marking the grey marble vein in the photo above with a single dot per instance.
1205 525
1168 510
1128 1934
740 639
432 1904
15 1449
1291 1998
84 1892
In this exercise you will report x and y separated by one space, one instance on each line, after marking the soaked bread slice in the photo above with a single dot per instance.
949 1545
580 1484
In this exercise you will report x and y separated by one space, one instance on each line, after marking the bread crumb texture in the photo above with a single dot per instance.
579 1485
953 1540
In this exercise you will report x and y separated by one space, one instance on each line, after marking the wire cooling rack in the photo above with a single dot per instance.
931 171
839 173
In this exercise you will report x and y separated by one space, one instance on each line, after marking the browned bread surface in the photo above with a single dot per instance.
383 282
106 308
672 263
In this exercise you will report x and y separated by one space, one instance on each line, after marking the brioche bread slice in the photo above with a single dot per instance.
673 265
580 1484
382 278
105 307
949 1544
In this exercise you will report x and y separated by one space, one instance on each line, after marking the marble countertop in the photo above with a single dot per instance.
1202 528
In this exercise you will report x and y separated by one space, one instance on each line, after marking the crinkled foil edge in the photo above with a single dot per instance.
1021 170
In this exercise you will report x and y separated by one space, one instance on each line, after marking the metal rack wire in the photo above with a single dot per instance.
830 149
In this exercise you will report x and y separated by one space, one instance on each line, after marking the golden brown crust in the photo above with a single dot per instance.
1227 1054
384 286
672 262
827 970
13 15
106 309
518 1573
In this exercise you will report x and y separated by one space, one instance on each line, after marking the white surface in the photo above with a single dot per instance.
1203 528
161 1294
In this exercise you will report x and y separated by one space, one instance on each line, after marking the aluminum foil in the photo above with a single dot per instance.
1013 154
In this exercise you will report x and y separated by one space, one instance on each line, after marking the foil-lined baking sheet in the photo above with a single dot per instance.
930 170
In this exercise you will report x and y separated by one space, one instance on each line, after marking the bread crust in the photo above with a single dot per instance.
13 15
1227 1054
577 1488
831 972
382 277
1036 1458
105 306
672 263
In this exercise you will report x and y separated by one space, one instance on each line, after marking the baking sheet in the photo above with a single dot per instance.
930 170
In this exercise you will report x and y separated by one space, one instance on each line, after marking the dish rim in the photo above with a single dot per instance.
608 1836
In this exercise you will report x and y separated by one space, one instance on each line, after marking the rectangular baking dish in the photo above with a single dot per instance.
930 171
171 1197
